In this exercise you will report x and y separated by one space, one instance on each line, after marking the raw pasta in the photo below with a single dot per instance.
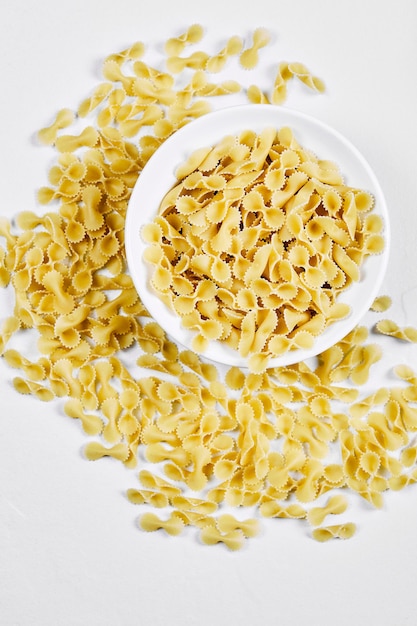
290 442
391 328
381 303
255 242
249 57
338 531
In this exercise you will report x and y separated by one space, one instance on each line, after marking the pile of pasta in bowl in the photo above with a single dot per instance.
254 243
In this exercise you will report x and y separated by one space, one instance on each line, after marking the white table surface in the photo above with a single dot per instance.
70 550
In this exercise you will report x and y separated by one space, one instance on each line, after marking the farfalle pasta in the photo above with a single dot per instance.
381 303
250 56
391 328
290 442
285 73
175 45
217 62
254 243
151 522
336 531
63 119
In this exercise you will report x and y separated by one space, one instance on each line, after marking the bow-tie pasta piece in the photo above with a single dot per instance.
337 531
175 45
381 304
249 57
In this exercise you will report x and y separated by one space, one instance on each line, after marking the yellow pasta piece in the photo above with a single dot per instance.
370 354
197 61
95 450
151 481
287 71
217 62
111 409
228 523
304 75
249 58
388 327
142 496
151 522
272 508
256 96
34 371
405 372
359 409
337 531
31 387
335 505
92 424
234 539
175 45
69 143
63 119
99 95
134 51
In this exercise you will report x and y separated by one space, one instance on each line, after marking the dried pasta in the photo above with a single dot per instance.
255 242
203 441
286 72
175 45
391 328
338 531
151 522
217 62
381 304
249 57
63 118
335 505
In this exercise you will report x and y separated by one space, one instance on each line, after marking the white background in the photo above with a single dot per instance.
70 551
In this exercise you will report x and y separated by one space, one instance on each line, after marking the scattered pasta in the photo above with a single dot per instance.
288 442
250 56
335 505
381 304
63 118
175 45
288 71
338 531
391 328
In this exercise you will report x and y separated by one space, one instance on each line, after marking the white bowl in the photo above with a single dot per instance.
158 176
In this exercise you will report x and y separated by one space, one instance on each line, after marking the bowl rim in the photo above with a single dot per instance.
175 149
